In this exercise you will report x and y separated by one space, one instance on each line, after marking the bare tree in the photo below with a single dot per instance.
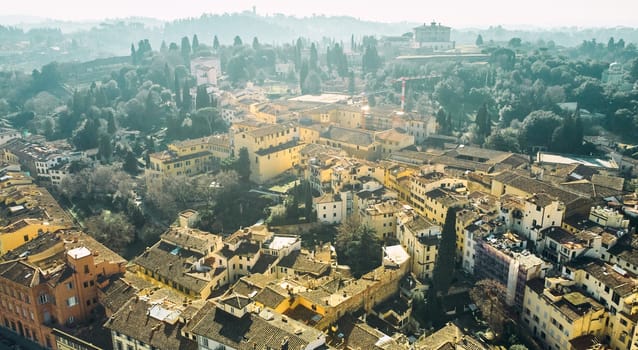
489 296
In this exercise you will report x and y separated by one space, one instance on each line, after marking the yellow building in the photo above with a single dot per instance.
421 239
21 232
182 261
556 313
617 289
190 157
382 217
267 112
393 140
464 218
272 150
310 133
432 194
357 143
397 179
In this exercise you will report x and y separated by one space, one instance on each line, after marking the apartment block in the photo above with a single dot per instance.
52 282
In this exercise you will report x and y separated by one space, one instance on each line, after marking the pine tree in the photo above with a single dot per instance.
202 99
133 54
130 163
111 128
187 101
186 51
303 74
256 45
163 48
351 84
479 40
237 41
483 121
242 165
215 43
177 91
195 42
314 57
105 148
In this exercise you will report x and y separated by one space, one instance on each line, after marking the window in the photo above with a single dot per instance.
86 268
72 301
69 285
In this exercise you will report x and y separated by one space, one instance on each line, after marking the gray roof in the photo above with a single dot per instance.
352 136
252 330
132 320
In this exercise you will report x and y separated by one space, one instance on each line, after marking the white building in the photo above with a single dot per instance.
7 134
608 217
206 70
530 215
329 208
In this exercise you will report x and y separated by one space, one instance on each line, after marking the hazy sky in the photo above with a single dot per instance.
459 13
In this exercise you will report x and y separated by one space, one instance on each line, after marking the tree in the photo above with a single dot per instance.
113 229
195 42
443 272
242 165
514 42
441 120
490 297
130 164
163 47
568 138
371 61
591 95
351 84
206 121
186 51
312 84
479 40
303 74
357 246
505 140
187 100
215 43
256 45
111 127
87 137
314 57
105 148
48 78
133 54
537 129
483 122
237 41
450 93
202 99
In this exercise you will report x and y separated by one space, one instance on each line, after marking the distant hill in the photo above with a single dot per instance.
83 41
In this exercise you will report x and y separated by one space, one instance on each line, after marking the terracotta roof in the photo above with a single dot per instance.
253 330
133 320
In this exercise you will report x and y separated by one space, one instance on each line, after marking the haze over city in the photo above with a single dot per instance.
459 13
318 175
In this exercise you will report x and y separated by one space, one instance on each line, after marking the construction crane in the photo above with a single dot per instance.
403 81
